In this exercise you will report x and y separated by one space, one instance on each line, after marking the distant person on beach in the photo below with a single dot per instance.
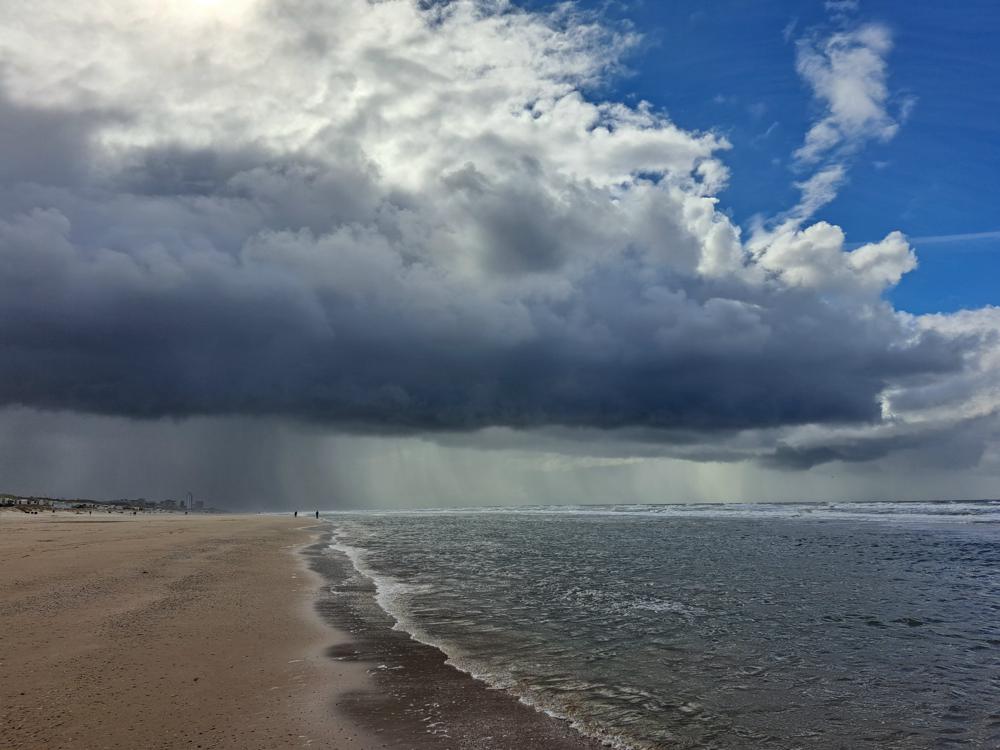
317 514
296 514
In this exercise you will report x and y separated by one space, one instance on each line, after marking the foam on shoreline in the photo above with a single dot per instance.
389 593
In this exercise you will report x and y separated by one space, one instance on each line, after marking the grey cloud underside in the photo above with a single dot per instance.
951 446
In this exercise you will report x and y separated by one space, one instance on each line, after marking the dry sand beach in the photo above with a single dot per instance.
172 631
165 632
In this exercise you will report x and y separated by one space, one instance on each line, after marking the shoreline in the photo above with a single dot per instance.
419 699
231 631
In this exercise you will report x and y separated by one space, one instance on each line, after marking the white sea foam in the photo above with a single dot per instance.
390 595
668 607
389 591
878 511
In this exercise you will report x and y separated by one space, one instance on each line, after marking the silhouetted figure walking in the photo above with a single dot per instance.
317 514
296 514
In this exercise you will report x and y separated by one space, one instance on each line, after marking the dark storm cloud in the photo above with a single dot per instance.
369 341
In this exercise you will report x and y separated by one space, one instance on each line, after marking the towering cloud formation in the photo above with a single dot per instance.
407 216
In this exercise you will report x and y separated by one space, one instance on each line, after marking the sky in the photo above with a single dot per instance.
935 179
305 253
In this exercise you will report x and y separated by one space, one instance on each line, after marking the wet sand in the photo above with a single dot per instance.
419 700
165 632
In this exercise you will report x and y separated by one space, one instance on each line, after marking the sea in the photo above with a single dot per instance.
803 625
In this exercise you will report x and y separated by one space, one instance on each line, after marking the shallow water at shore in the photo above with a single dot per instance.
780 626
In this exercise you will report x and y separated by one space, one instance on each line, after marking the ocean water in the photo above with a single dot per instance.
871 625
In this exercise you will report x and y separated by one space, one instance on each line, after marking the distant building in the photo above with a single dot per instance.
21 500
199 505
